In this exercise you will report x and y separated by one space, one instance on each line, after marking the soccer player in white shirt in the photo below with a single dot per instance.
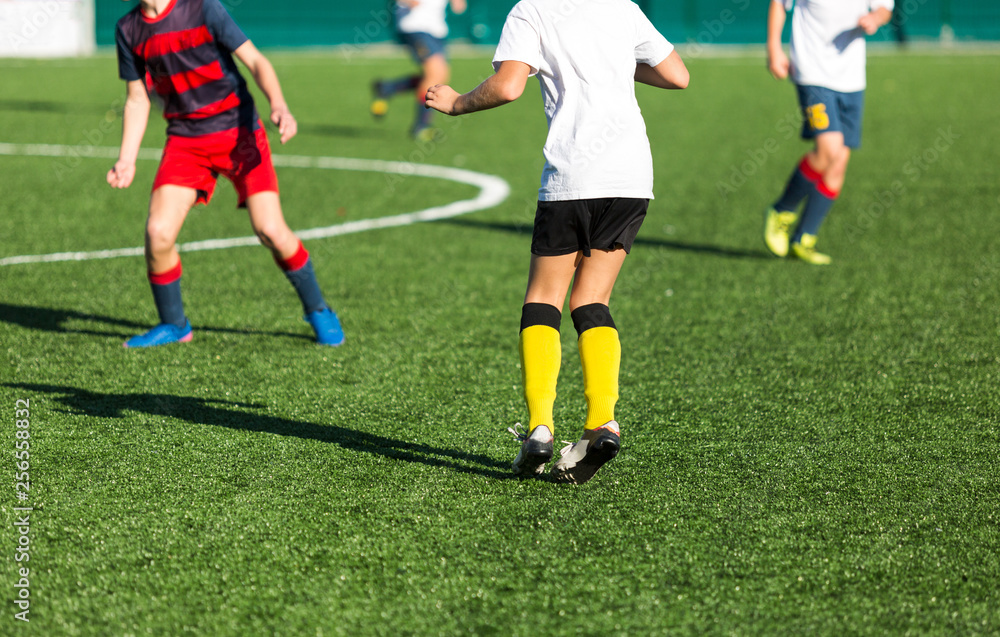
422 27
828 68
596 185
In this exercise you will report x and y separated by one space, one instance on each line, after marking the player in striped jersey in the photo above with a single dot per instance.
181 51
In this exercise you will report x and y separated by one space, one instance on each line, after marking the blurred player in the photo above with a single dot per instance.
182 50
898 23
596 186
828 69
422 27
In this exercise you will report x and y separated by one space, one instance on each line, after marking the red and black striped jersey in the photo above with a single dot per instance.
184 55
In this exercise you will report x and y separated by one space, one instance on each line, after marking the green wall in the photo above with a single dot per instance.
358 22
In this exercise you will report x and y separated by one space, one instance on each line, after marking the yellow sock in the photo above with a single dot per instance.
541 355
601 355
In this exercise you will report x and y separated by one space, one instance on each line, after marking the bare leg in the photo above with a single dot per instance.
168 207
434 70
595 278
549 278
830 158
269 224
600 357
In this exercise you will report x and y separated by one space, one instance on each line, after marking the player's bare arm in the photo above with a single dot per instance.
503 87
777 61
669 74
458 6
135 115
266 78
871 22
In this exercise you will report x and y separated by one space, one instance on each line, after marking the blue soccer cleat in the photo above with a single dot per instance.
327 327
162 334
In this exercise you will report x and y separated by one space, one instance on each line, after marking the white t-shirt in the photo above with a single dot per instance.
584 53
428 16
828 46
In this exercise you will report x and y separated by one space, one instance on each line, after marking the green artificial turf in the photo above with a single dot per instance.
806 450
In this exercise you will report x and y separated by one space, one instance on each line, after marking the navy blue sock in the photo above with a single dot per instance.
166 288
423 117
388 88
798 188
305 284
817 207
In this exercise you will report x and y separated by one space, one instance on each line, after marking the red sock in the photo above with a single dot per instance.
293 262
165 278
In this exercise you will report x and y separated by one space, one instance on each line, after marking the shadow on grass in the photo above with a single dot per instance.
220 413
525 229
35 106
54 320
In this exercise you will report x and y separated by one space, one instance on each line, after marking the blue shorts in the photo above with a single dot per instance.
422 45
828 111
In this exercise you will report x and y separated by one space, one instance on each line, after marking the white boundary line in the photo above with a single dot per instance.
492 191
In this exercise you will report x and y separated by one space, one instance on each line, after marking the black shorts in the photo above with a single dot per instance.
564 227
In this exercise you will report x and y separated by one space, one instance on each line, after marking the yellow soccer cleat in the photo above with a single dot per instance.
805 249
777 228
426 134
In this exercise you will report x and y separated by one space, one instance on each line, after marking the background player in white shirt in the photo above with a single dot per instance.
596 185
422 27
828 68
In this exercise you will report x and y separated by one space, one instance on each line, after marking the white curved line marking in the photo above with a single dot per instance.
492 191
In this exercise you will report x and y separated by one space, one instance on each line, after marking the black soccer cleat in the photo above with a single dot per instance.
536 451
581 460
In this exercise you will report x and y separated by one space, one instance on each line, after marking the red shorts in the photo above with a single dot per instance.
240 155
